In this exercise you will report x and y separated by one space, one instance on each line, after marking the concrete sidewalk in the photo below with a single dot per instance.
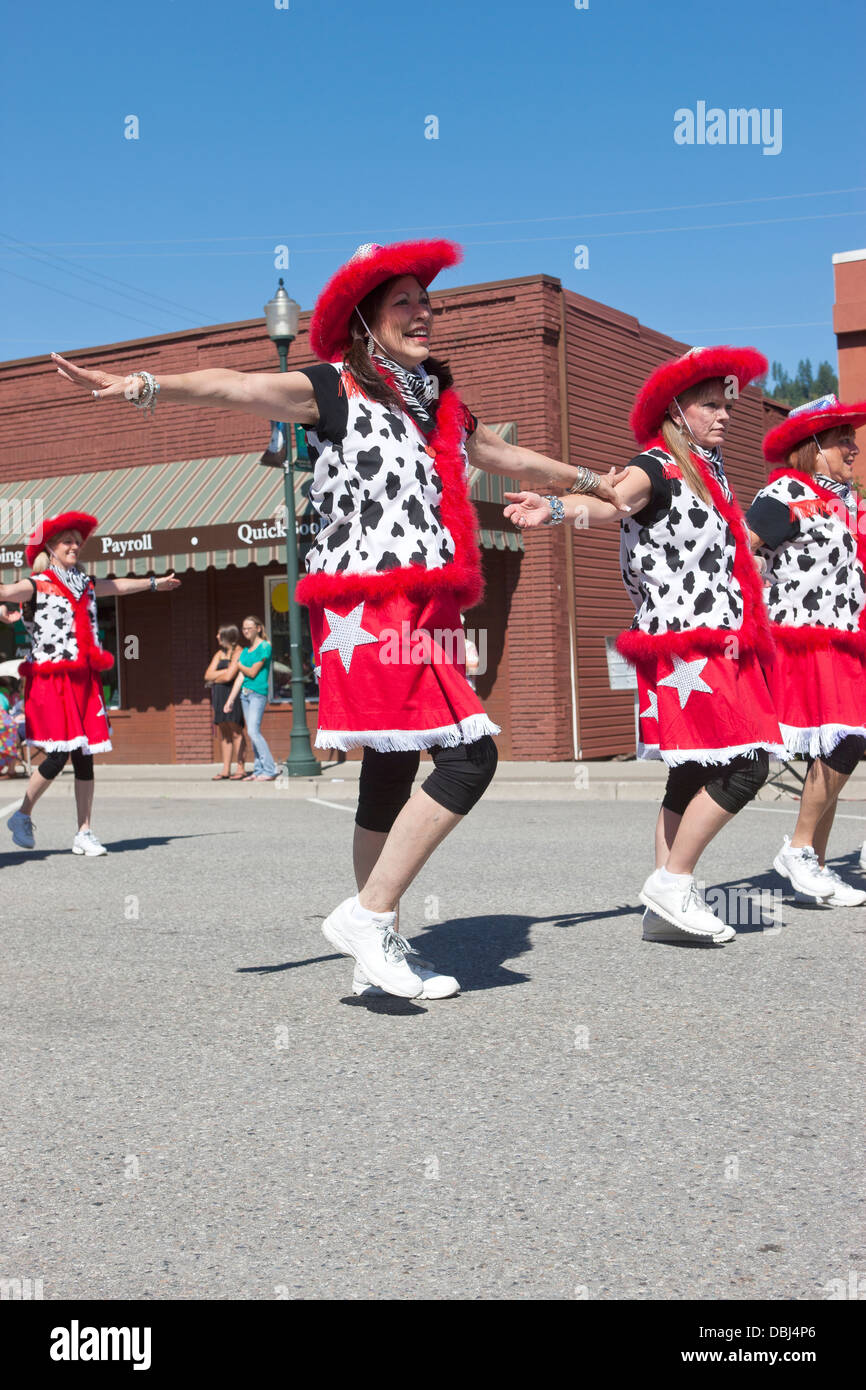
607 780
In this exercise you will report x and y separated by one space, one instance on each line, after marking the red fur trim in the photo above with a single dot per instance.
810 639
90 654
462 576
781 439
53 525
329 325
753 635
671 378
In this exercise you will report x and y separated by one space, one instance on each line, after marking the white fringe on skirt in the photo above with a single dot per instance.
468 730
820 741
58 746
710 757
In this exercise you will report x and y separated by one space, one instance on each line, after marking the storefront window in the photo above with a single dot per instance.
106 619
277 594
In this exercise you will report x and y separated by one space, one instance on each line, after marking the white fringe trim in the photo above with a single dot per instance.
820 741
710 757
58 746
469 730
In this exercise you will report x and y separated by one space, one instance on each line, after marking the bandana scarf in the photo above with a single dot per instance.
417 390
75 580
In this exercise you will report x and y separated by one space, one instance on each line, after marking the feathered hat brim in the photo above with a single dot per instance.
369 267
801 424
671 378
53 525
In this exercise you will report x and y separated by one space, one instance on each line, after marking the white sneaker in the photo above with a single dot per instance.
655 928
22 828
801 867
436 986
843 894
86 842
681 905
375 946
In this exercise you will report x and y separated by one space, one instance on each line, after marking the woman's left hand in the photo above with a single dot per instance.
168 581
606 490
527 509
7 617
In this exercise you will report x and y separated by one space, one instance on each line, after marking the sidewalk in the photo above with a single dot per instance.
514 781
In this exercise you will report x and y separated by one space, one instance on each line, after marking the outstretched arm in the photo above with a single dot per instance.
528 510
489 451
273 395
106 587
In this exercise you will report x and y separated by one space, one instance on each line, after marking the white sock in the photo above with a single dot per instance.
363 914
670 880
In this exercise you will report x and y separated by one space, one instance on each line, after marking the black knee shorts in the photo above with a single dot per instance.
53 763
732 786
460 778
845 756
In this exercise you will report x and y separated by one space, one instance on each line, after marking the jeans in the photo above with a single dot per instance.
254 708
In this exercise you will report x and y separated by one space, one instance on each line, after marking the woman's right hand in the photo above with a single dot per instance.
228 706
102 385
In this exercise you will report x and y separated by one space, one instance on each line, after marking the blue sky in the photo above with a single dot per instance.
305 126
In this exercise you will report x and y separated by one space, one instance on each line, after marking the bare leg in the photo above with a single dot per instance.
420 827
238 749
821 788
366 848
702 820
35 787
226 741
83 802
667 826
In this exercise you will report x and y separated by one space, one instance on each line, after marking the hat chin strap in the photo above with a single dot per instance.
371 337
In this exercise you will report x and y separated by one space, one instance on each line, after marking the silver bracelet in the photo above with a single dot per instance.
148 394
557 511
152 578
586 480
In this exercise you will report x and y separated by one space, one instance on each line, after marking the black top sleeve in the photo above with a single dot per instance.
771 520
660 497
331 402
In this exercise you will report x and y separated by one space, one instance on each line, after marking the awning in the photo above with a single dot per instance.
194 513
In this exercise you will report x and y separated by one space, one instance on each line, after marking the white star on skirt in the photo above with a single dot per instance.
652 709
686 678
346 634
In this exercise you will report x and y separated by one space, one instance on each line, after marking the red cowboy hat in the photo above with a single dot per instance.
699 364
811 418
53 525
371 265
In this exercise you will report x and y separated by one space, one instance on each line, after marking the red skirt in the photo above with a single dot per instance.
705 709
392 675
820 697
65 710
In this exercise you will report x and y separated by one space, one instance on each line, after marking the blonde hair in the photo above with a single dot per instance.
262 630
805 456
675 443
43 560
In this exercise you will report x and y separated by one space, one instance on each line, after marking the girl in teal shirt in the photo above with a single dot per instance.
252 682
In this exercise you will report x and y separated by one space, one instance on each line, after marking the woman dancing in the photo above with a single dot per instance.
394 561
804 526
700 629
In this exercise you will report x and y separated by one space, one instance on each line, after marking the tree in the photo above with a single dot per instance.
796 390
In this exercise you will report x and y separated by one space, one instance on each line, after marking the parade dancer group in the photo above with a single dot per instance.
732 667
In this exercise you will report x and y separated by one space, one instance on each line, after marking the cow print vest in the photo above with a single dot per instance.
814 578
53 628
679 568
377 494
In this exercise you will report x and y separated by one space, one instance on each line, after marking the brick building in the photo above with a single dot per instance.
549 368
849 322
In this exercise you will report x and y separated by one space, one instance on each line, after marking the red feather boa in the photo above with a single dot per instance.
752 637
462 577
819 638
89 653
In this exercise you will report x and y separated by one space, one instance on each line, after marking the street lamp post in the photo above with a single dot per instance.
281 314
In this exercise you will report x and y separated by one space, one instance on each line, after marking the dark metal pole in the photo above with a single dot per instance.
301 761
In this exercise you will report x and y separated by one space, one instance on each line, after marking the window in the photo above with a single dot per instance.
277 608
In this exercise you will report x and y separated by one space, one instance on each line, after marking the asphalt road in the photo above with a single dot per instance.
196 1107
